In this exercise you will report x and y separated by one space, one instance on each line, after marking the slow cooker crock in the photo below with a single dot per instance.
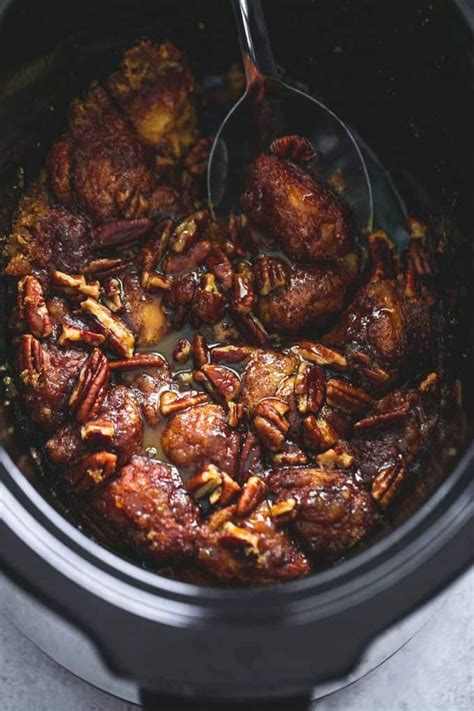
399 73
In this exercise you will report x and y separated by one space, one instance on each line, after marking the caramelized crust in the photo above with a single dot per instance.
265 372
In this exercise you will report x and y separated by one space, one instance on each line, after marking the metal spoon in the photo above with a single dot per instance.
270 108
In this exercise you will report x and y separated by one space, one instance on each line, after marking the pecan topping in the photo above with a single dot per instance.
370 369
32 306
290 456
429 384
220 265
92 471
200 350
243 295
75 334
220 382
98 431
106 267
120 339
239 539
318 434
335 459
345 397
187 231
230 354
152 252
250 455
91 387
209 303
182 351
310 388
284 512
121 232
235 414
270 422
319 354
253 492
141 360
113 295
170 402
75 283
294 148
156 282
251 329
380 420
213 484
387 483
269 274
32 358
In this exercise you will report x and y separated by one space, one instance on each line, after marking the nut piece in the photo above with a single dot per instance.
253 492
200 350
92 471
106 267
318 434
151 253
319 354
120 232
32 306
209 302
369 368
187 231
290 456
251 329
220 265
213 484
335 459
182 351
429 384
230 354
32 359
380 420
239 539
153 282
270 422
294 148
141 360
310 388
98 431
220 382
269 274
120 339
236 412
91 387
75 334
170 402
387 484
75 284
284 512
243 295
196 160
345 397
113 295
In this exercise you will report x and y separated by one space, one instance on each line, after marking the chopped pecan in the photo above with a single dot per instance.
187 231
98 431
269 274
32 358
336 458
370 369
154 248
141 360
119 337
270 422
345 397
387 483
429 384
319 354
91 387
113 295
182 351
237 226
75 334
121 232
220 382
106 267
209 303
213 484
76 283
195 255
384 254
236 412
380 420
243 295
32 307
230 354
224 332
220 265
170 402
284 512
200 350
310 388
251 329
154 282
250 455
318 434
239 539
252 493
92 471
290 456
294 148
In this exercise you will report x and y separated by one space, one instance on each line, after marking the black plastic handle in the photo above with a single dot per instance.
157 702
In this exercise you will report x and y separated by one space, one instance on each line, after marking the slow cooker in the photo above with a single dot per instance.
400 74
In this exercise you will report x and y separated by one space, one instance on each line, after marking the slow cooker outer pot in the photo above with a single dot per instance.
214 643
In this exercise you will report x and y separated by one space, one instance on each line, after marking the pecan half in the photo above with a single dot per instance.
220 382
209 302
387 484
310 388
170 402
213 484
319 354
106 267
182 351
270 423
119 338
32 358
200 350
91 387
251 329
154 248
369 368
75 334
294 148
230 354
141 360
239 539
236 412
220 265
32 307
381 420
250 455
269 274
336 458
75 283
345 397
187 231
243 295
284 512
98 431
318 434
92 471
151 281
120 232
252 494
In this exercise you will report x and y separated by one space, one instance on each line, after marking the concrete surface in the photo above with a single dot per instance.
433 672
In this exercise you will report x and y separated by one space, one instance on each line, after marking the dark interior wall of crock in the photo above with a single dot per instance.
398 71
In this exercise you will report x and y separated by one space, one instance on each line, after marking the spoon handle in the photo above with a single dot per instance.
254 42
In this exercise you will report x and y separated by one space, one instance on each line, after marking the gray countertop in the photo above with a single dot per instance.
433 672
